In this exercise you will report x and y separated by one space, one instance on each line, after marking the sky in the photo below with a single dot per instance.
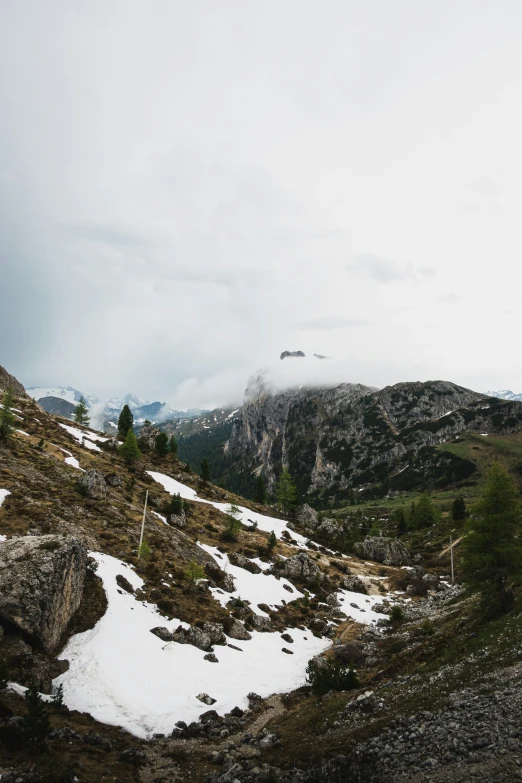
189 188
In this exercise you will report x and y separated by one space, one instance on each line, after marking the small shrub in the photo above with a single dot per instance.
144 551
330 675
58 697
427 627
194 572
396 614
231 531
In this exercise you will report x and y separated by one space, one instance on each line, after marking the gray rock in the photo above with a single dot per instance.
261 623
92 483
178 520
354 584
389 551
329 527
41 584
210 657
236 630
148 436
162 633
236 558
205 698
215 632
301 566
306 516
113 480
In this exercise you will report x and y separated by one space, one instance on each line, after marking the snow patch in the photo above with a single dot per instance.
123 675
3 494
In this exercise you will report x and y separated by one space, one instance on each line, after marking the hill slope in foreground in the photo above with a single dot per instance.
220 679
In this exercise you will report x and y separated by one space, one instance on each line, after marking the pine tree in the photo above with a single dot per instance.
125 422
399 517
36 721
6 416
129 450
175 505
161 446
81 415
491 550
173 446
194 573
424 513
286 493
260 491
272 541
458 510
205 470
58 697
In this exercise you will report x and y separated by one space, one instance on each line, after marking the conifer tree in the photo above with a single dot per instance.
286 493
205 470
260 491
36 721
175 505
173 446
491 550
424 513
161 445
6 416
458 510
399 517
272 541
125 422
81 415
129 450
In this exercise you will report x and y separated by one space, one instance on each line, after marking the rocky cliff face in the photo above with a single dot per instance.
339 439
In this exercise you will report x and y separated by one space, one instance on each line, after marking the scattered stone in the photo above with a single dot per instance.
210 657
389 551
124 584
205 698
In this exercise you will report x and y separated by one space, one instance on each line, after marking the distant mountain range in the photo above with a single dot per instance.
505 394
62 401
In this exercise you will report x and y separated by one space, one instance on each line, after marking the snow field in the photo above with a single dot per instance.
3 494
123 675
254 588
85 438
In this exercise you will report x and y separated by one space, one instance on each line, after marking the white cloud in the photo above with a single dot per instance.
184 185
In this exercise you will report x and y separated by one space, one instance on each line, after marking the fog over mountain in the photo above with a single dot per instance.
188 190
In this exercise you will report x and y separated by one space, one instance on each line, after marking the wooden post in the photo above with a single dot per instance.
451 555
143 522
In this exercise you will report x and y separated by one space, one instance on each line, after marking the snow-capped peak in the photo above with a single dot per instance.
67 393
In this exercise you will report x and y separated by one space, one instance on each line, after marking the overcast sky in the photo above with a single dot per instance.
187 188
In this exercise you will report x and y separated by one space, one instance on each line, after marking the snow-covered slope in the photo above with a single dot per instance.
124 675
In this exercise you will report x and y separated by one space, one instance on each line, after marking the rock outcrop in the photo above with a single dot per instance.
8 381
389 551
148 435
301 567
41 585
306 517
93 485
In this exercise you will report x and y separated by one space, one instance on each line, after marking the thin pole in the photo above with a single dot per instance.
451 554
143 521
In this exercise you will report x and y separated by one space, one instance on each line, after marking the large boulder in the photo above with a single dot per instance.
306 516
41 585
238 559
389 551
301 566
92 483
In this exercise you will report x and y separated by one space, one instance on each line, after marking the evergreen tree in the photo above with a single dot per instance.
125 422
6 416
129 450
458 510
173 446
260 491
205 470
491 550
424 514
286 493
58 697
161 446
81 415
194 573
176 505
399 517
272 541
36 721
